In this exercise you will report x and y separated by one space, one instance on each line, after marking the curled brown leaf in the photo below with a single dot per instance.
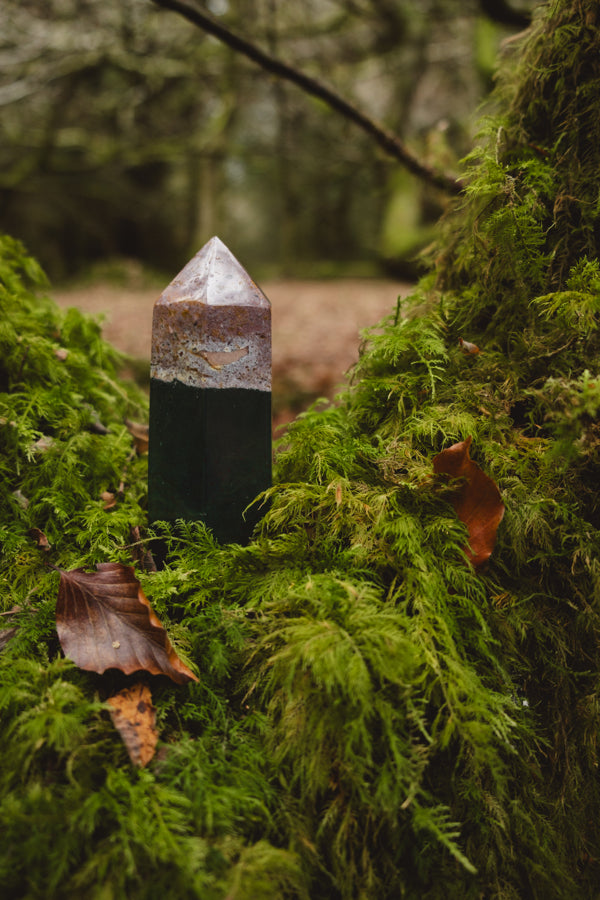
109 499
139 434
104 621
468 348
40 538
477 500
134 717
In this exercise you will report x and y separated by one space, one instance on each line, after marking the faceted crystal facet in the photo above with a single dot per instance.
215 277
212 325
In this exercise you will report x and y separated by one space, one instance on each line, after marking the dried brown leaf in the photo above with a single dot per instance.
134 717
139 434
477 500
110 500
468 348
104 621
40 538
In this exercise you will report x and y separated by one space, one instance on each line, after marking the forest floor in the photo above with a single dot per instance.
316 329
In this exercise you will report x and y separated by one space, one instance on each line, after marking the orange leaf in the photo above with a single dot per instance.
477 500
469 348
110 501
104 621
134 717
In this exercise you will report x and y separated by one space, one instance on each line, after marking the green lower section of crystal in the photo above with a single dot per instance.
210 456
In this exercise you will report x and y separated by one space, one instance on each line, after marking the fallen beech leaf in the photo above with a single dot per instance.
104 621
477 500
139 434
40 538
134 717
110 500
469 348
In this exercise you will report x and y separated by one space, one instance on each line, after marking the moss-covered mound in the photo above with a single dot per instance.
373 718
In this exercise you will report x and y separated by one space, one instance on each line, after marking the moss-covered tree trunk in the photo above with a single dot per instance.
531 211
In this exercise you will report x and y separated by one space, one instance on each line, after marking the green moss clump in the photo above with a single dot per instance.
373 719
76 820
531 204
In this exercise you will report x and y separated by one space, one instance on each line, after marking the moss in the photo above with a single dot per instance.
374 719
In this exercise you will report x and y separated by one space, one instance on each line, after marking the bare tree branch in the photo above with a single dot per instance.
500 11
389 142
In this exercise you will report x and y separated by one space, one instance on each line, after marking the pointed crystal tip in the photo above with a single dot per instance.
215 277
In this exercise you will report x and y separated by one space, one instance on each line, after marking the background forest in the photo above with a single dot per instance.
126 131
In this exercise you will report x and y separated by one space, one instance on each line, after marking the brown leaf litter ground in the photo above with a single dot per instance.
316 329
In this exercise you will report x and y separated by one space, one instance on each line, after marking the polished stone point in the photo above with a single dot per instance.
210 397
212 325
